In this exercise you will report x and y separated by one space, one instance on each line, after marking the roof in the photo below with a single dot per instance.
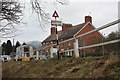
68 34
52 37
72 31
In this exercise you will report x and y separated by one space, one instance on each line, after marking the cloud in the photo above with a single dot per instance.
93 0
101 12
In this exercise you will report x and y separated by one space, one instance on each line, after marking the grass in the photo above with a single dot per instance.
89 67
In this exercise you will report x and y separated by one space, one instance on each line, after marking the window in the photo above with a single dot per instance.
28 55
34 53
68 53
80 43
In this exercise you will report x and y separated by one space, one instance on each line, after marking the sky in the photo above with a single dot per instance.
102 12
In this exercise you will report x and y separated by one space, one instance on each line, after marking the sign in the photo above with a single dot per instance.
56 23
55 14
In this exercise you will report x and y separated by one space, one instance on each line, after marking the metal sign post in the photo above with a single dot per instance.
56 23
55 14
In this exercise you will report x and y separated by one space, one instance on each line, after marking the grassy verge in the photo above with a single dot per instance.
89 67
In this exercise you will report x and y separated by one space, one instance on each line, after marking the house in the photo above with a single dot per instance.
69 31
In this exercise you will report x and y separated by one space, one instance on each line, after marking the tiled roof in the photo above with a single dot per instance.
52 37
72 31
62 35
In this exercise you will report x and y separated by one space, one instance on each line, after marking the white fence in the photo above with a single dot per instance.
95 30
87 33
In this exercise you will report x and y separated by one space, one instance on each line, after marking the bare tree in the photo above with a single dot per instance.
42 15
37 7
10 14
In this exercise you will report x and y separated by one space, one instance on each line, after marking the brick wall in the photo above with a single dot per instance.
88 39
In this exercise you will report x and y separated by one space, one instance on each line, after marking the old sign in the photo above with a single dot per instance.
55 14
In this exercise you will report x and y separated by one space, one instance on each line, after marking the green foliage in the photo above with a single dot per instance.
17 44
7 47
4 48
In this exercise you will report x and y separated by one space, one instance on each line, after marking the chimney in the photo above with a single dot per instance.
53 30
88 19
66 27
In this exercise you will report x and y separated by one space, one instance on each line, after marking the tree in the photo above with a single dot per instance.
24 43
115 46
17 44
112 36
10 14
37 7
4 48
9 47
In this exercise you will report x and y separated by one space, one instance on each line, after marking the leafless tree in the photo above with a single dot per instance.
42 15
37 7
10 14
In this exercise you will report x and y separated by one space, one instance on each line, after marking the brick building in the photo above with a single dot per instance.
69 31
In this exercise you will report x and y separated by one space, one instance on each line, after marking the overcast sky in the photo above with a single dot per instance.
102 12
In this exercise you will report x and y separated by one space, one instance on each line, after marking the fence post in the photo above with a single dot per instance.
37 52
84 53
103 46
76 52
51 52
23 54
25 57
